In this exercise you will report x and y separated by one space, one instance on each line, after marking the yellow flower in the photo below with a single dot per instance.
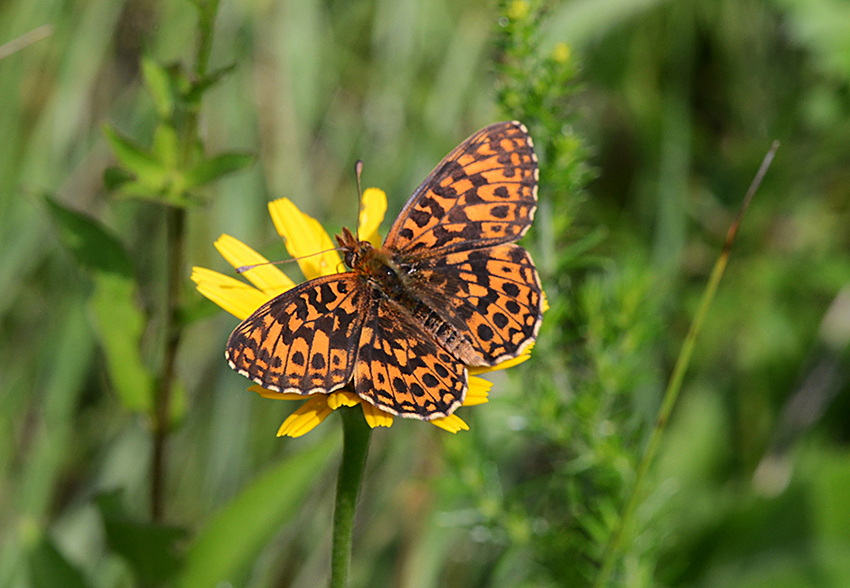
518 10
561 52
304 236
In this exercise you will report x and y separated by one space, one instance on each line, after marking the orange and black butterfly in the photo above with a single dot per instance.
447 290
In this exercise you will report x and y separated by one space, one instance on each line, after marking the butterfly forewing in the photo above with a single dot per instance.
482 194
403 370
305 340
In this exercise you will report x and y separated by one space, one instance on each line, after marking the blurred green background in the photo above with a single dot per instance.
672 107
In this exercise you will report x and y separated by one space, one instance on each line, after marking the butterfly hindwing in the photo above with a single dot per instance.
303 341
491 297
403 370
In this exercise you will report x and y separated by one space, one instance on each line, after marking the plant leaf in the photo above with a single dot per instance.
158 84
145 166
216 167
114 177
115 317
93 245
212 78
151 549
165 145
119 324
49 568
236 534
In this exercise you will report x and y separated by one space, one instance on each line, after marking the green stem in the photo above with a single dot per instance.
176 245
208 11
355 446
612 550
176 223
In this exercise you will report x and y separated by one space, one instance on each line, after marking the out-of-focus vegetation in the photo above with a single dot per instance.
650 120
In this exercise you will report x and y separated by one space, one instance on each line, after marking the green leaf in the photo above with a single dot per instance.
145 166
119 323
115 177
49 568
115 317
212 78
135 189
93 245
216 167
151 549
158 83
165 145
236 535
172 198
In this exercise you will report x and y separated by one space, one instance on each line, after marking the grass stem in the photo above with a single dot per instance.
674 386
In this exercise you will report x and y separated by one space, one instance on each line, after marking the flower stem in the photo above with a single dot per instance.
355 446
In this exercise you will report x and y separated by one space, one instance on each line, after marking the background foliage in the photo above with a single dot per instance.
650 123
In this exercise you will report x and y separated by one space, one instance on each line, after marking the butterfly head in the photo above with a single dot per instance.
354 250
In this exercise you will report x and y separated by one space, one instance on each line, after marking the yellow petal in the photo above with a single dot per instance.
451 423
338 399
375 417
306 417
373 208
237 298
266 393
304 236
266 277
478 392
545 306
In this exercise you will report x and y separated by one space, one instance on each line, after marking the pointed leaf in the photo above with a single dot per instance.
49 568
142 192
117 320
147 168
212 78
115 177
236 535
158 84
119 323
135 189
93 245
212 169
165 145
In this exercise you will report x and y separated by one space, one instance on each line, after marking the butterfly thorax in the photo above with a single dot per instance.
392 283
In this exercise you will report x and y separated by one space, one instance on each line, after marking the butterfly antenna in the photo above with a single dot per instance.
244 268
358 169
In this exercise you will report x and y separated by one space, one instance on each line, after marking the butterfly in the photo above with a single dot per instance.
448 289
